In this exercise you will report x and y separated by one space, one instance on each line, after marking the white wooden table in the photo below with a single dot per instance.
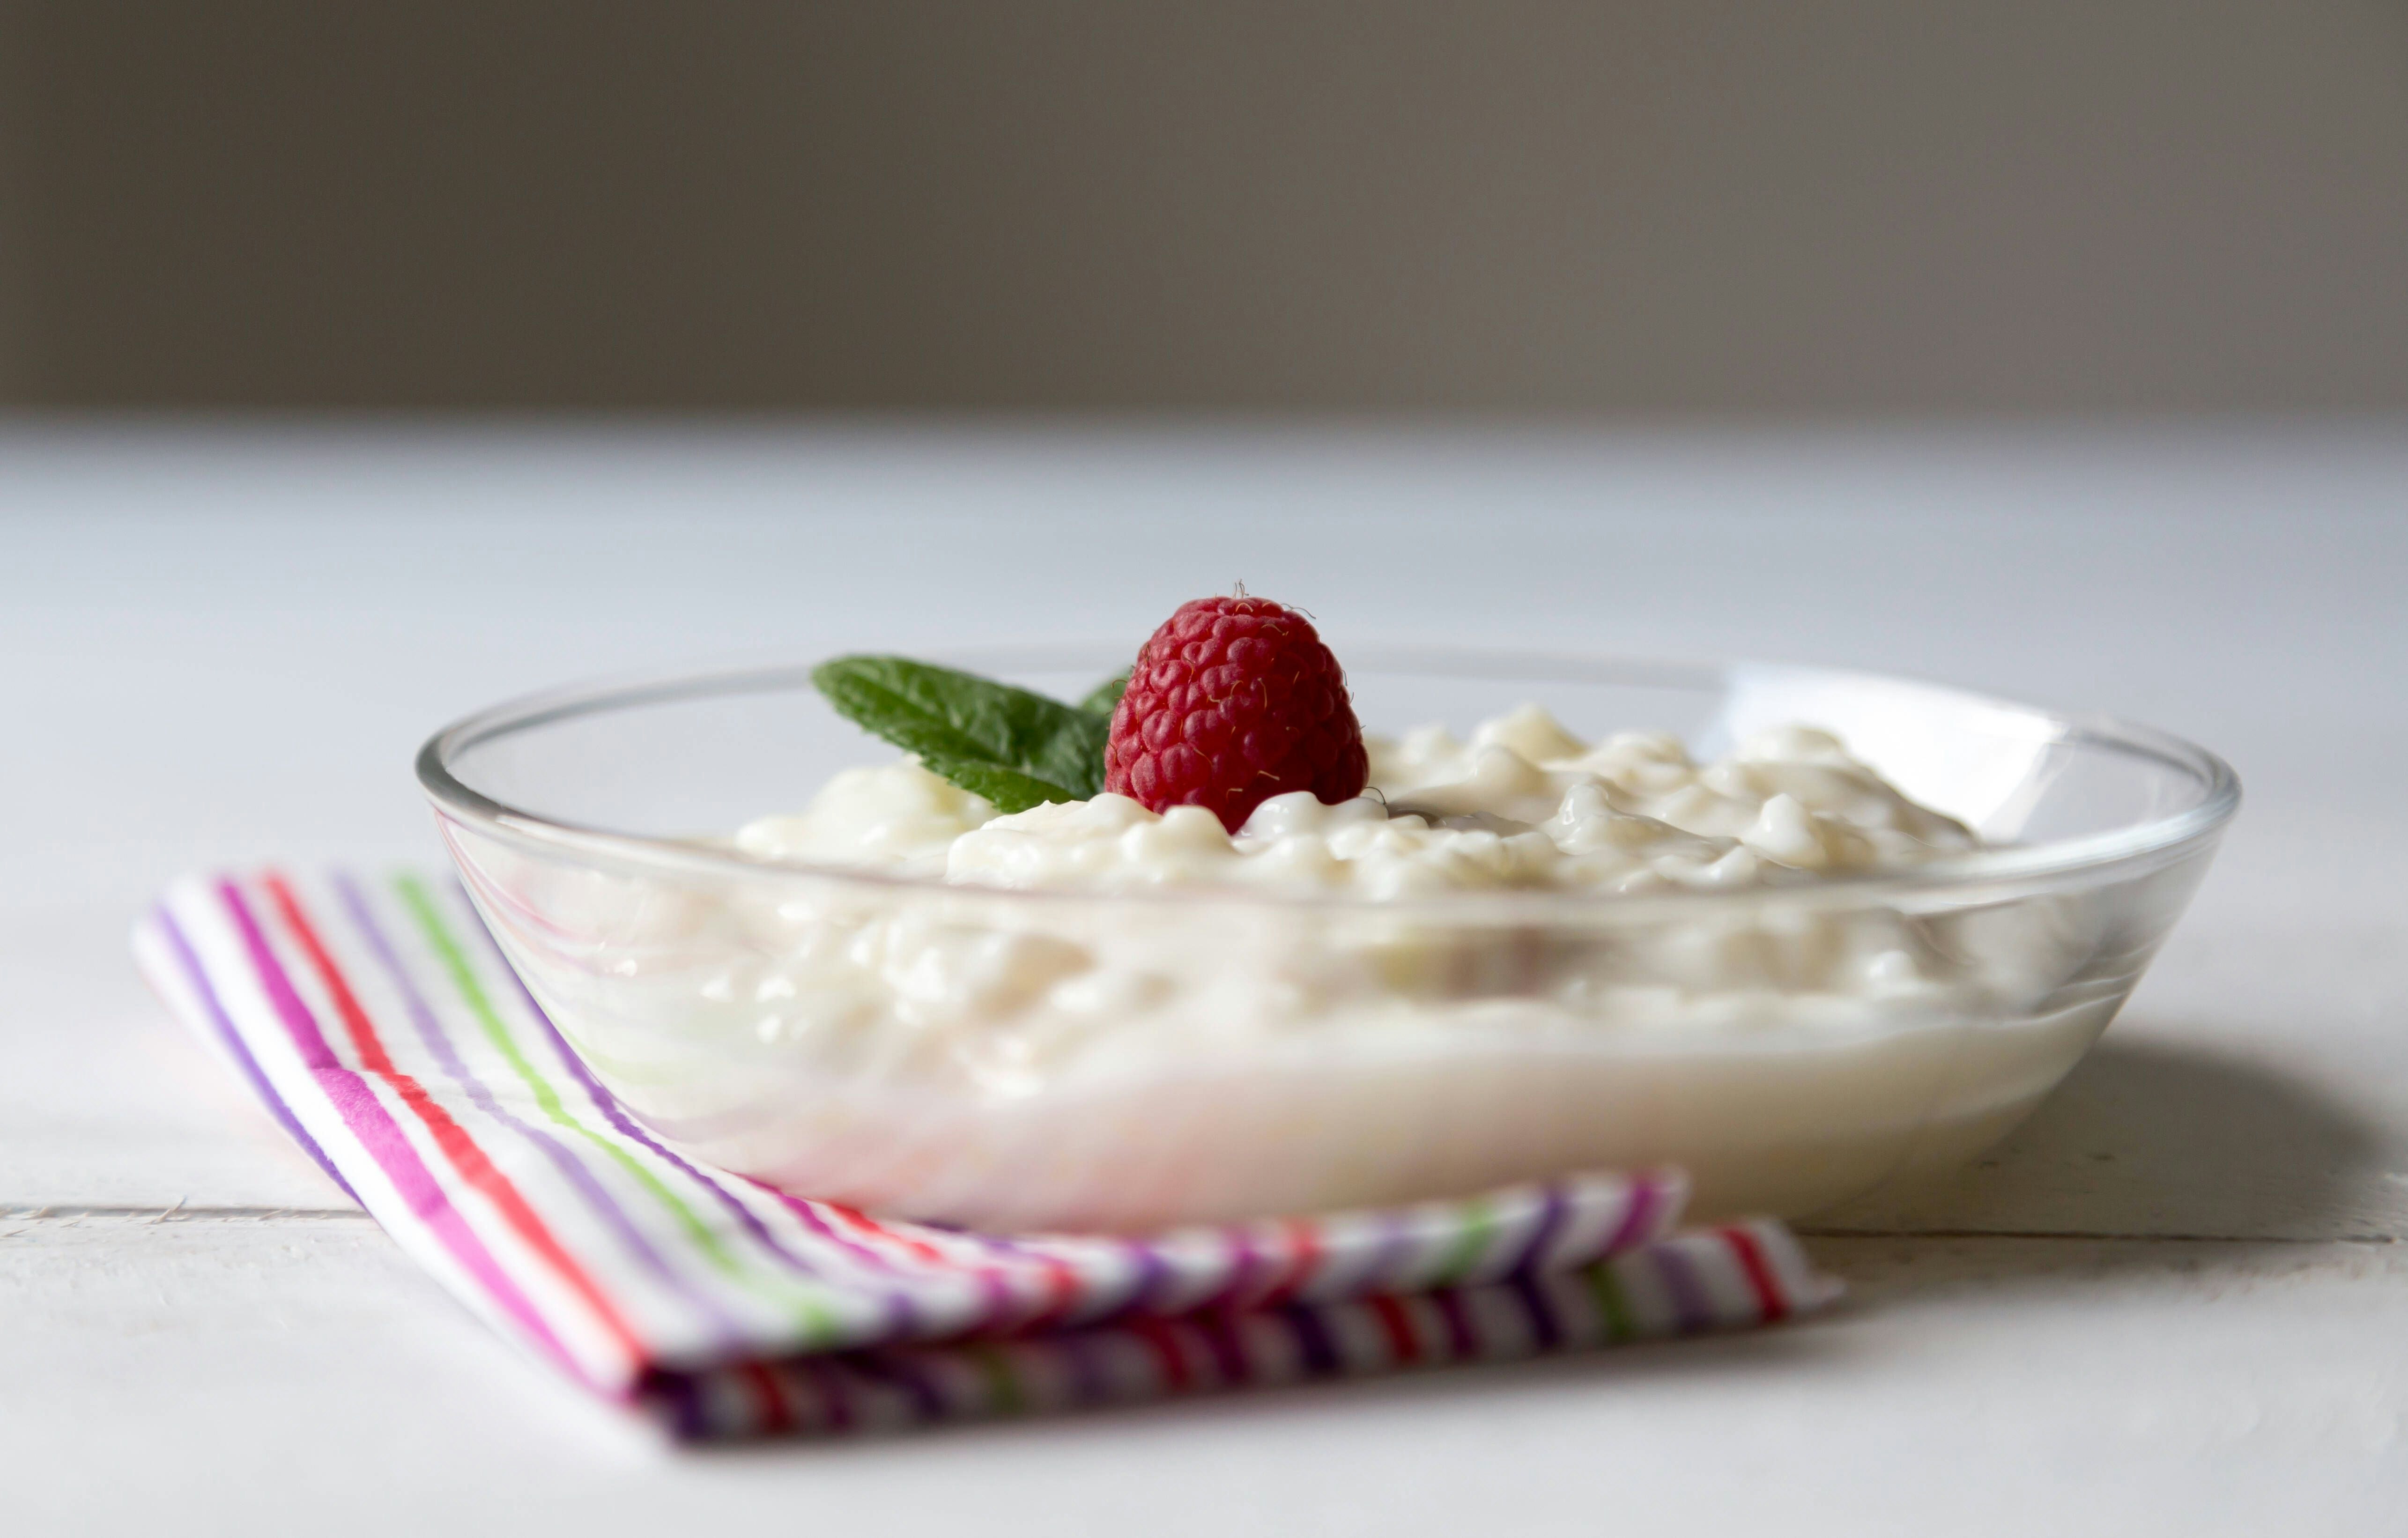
2175 1303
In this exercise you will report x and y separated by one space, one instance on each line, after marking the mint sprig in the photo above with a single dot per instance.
1106 697
1011 746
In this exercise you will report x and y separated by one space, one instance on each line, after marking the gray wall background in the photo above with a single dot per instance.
1690 207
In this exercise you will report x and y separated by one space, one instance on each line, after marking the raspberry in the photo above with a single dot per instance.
1234 701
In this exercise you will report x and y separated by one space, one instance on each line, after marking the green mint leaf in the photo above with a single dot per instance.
1105 696
1007 790
1015 748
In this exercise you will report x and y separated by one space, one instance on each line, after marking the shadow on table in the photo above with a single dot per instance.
2147 1139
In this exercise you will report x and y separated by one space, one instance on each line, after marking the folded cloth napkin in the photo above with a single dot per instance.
380 1026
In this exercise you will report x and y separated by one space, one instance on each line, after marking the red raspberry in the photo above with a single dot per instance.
1234 701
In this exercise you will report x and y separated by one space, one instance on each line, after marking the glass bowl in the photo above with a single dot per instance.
1042 1059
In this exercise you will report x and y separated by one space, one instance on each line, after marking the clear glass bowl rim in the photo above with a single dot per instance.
1989 875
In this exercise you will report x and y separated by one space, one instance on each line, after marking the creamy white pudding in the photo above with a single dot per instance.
1150 1043
1523 804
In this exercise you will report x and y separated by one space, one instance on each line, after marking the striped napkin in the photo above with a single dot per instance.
380 1025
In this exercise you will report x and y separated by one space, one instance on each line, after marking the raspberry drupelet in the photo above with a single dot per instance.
1234 701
